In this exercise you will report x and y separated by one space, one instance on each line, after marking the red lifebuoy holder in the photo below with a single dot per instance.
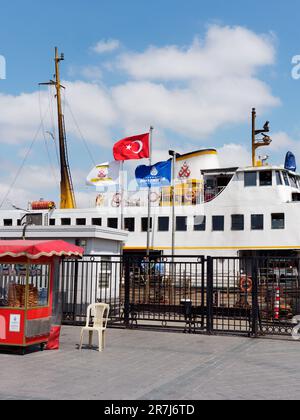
246 284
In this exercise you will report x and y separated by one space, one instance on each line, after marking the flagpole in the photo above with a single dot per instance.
173 154
122 194
173 206
149 196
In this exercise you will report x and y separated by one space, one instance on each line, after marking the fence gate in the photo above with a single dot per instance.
256 296
231 294
168 292
90 280
242 295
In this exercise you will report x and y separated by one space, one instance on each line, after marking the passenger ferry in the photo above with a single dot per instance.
218 211
210 210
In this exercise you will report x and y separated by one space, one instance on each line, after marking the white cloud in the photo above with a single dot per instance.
195 111
93 110
90 103
33 183
282 140
90 73
218 88
233 155
106 46
186 93
283 143
225 51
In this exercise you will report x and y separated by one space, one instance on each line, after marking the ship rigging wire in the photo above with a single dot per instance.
54 131
27 154
45 139
21 166
83 139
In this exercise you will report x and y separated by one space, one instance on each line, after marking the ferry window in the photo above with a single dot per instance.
52 222
80 222
278 178
129 224
112 223
97 221
293 181
7 222
278 221
19 222
145 224
296 197
265 178
286 179
66 222
181 224
237 222
257 222
218 223
163 224
250 179
199 223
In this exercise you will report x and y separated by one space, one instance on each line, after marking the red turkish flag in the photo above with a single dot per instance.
133 148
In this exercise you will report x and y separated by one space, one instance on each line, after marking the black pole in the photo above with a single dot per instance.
75 291
255 304
210 295
126 263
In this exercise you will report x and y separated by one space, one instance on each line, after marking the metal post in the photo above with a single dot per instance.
210 294
255 304
127 261
149 197
75 292
122 194
253 137
173 205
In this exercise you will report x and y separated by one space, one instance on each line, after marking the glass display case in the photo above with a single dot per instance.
24 286
29 279
25 303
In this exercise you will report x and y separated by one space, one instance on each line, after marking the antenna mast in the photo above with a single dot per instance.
67 196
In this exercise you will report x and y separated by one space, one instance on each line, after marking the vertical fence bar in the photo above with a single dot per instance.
127 263
75 291
255 304
210 295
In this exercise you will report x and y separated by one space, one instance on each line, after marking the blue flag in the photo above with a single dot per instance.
154 176
290 162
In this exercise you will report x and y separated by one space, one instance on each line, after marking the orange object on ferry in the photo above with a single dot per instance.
246 284
43 205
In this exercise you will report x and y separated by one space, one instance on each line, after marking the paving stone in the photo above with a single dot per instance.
138 365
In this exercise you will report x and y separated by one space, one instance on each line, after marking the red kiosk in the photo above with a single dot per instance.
28 272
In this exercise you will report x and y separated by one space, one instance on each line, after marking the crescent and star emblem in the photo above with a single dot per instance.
140 143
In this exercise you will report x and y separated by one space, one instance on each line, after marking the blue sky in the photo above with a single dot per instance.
30 30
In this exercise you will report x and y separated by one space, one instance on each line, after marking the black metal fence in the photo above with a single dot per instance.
248 296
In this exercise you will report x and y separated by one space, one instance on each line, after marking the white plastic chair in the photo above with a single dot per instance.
100 313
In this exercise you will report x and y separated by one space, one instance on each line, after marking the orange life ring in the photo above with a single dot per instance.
246 284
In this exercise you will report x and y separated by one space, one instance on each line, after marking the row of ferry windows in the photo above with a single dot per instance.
218 223
200 223
265 179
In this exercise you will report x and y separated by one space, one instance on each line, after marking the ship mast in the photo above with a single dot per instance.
67 196
265 141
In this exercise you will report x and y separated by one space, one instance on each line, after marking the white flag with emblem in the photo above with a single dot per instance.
104 174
